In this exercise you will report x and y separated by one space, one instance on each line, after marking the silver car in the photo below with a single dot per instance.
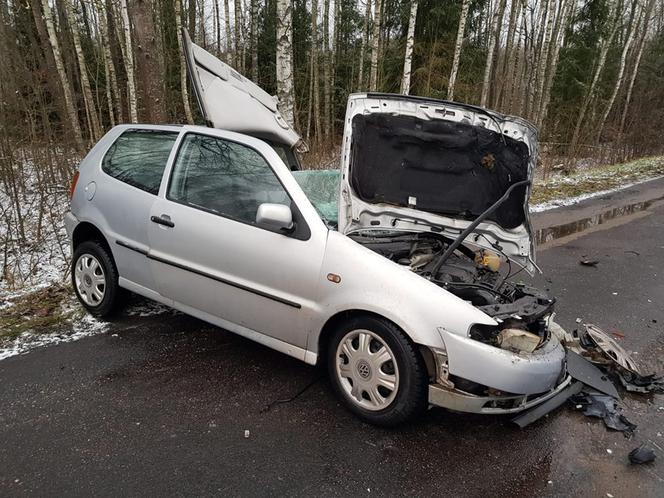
395 271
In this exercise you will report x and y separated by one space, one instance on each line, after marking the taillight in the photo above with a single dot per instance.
73 185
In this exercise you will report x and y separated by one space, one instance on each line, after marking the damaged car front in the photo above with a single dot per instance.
442 189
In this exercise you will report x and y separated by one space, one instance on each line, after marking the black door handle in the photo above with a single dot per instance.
162 221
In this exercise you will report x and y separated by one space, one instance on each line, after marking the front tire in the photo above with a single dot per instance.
95 278
377 371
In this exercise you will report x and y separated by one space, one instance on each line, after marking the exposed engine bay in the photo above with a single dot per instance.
480 277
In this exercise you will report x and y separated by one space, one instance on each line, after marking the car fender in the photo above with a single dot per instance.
372 283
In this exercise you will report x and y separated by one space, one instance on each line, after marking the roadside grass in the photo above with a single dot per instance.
596 180
42 311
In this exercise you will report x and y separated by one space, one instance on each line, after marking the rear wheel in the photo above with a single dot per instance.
95 278
377 371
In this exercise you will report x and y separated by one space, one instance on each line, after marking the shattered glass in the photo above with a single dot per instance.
322 189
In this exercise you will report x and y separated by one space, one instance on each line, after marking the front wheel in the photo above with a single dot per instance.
95 278
377 371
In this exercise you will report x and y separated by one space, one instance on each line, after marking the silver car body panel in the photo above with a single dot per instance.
229 101
355 214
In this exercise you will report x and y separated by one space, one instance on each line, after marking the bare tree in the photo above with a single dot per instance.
183 63
375 46
227 24
64 80
549 20
239 60
109 64
637 62
604 50
633 24
410 41
285 90
327 72
493 37
365 42
314 89
129 63
217 25
254 40
457 49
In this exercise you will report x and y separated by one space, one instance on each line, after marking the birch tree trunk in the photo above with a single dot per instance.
129 63
327 72
60 68
637 62
314 71
558 40
375 45
635 21
88 100
494 35
284 62
593 84
549 18
410 41
238 36
457 49
508 59
254 40
183 63
217 26
227 23
112 79
365 42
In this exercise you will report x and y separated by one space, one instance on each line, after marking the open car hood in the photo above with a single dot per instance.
232 102
416 164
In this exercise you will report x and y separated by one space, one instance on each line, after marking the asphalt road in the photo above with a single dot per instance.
159 406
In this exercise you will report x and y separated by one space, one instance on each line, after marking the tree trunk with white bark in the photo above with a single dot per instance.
70 105
183 63
284 62
494 35
327 73
363 47
410 42
129 63
457 49
375 46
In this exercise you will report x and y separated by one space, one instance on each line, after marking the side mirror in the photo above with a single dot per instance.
276 217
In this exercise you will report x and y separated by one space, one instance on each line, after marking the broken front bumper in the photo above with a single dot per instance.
454 399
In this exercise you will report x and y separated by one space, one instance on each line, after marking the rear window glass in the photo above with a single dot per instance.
138 158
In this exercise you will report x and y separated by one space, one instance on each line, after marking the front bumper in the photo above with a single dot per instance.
454 399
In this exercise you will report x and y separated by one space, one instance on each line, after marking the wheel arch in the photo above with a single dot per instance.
342 316
85 231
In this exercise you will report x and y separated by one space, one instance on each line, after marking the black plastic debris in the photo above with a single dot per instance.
642 454
530 416
581 369
595 404
589 262
636 383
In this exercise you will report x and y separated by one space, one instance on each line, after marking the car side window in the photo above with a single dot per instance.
223 177
138 158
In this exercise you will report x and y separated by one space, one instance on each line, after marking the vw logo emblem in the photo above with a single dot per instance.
363 369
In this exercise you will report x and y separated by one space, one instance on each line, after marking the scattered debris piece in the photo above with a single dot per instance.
642 454
632 252
246 433
530 416
605 407
582 370
609 451
618 334
589 262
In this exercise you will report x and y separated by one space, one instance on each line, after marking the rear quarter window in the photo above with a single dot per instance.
138 158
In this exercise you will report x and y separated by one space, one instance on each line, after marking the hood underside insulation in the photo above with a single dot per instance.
439 166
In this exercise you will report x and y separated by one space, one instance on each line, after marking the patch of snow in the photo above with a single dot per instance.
85 327
556 203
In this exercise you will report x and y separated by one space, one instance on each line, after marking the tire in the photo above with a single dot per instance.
94 278
366 356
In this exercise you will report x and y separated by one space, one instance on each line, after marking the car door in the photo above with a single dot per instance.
132 171
209 255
